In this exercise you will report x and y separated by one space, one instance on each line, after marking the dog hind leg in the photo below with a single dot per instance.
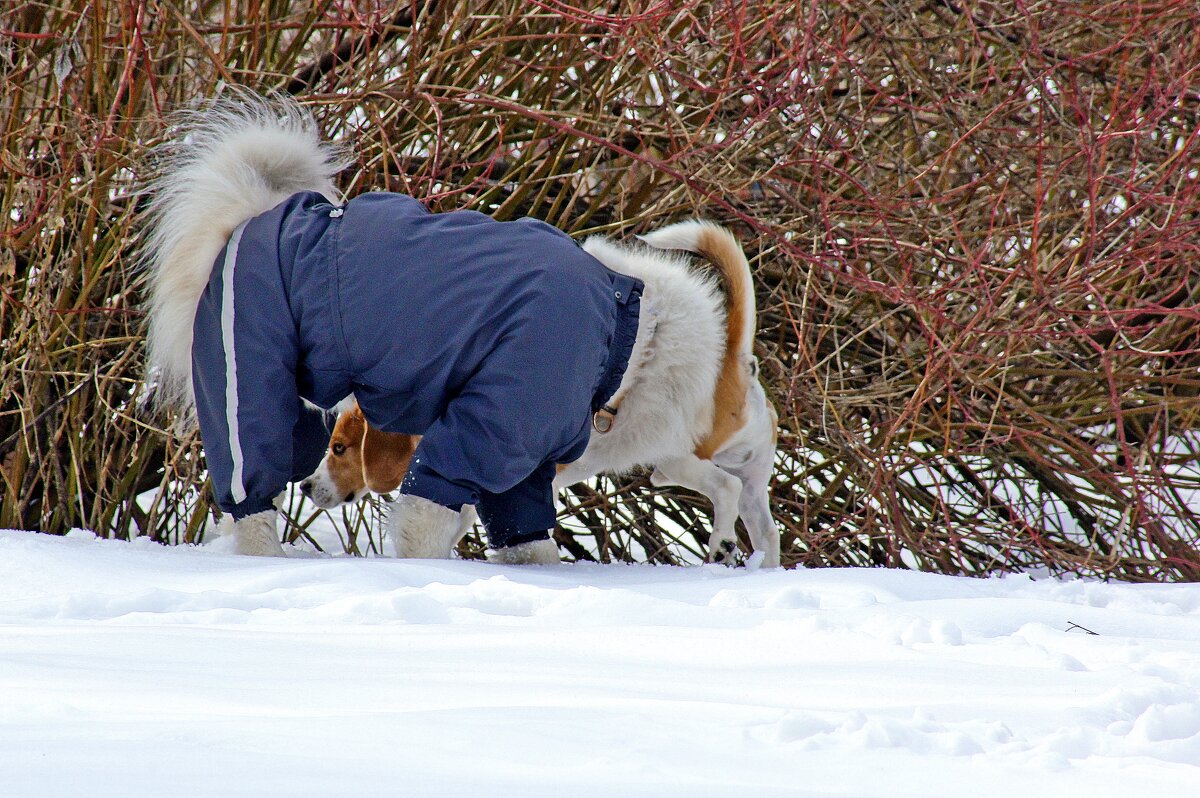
723 489
754 507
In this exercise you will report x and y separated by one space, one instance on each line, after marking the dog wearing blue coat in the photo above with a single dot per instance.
522 360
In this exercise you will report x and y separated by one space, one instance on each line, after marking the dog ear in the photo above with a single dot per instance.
385 458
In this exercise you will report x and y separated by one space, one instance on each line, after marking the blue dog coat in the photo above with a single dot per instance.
496 341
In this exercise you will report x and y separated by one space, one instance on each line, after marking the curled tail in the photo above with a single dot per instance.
225 162
737 364
720 247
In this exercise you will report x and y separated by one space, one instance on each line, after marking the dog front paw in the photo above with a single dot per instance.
423 529
255 535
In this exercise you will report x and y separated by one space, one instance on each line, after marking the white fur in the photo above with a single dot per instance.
686 236
423 529
668 395
667 391
535 552
227 161
254 535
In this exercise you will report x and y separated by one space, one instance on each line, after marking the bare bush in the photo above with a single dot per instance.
974 227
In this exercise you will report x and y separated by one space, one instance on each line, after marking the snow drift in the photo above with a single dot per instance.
134 669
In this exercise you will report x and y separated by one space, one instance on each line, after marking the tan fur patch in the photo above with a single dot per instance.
729 398
386 456
362 456
344 459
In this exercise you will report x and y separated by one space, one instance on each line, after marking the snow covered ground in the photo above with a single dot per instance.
128 669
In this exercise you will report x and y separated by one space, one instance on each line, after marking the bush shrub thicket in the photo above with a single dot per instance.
975 228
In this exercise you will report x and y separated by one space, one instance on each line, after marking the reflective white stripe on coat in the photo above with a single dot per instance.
236 488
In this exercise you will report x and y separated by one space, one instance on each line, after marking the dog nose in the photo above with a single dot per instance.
306 488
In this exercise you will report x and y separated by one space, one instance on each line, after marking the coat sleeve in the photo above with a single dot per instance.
255 428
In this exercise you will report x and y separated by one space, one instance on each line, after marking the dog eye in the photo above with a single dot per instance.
338 449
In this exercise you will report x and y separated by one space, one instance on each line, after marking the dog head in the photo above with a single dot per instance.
360 459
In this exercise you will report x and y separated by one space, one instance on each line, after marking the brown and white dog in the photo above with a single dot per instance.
690 404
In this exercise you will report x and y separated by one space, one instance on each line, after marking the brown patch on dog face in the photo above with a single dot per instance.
344 460
385 458
361 456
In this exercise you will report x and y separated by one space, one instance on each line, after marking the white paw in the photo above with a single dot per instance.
255 535
423 529
536 552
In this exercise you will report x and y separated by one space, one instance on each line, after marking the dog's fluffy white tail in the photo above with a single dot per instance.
225 162
719 246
